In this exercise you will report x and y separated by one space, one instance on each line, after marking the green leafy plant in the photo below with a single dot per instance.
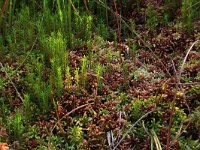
68 77
132 25
123 99
59 81
152 20
125 67
187 15
102 30
99 73
137 105
84 71
27 108
41 89
77 78
134 52
21 35
55 50
109 55
83 26
76 135
15 124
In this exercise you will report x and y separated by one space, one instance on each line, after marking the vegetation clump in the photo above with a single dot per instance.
99 74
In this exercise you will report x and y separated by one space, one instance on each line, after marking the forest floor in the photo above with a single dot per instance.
150 95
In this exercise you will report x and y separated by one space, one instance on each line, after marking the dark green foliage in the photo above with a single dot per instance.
152 17
187 14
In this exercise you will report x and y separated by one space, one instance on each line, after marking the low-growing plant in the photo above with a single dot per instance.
102 30
137 105
125 68
4 109
134 52
21 36
90 53
83 26
77 78
15 125
187 15
59 81
189 144
99 72
36 83
68 77
55 50
132 27
84 71
141 72
76 135
151 20
109 55
27 108
123 99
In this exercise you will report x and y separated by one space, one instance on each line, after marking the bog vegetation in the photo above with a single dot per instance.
100 74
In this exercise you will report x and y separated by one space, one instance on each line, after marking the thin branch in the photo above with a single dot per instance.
186 56
68 115
145 115
19 95
4 7
175 95
26 56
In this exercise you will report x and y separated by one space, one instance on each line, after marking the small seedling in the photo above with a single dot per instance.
134 51
132 22
84 71
27 106
99 72
68 77
109 55
59 81
77 76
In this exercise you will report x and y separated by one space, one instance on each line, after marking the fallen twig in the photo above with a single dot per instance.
145 115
